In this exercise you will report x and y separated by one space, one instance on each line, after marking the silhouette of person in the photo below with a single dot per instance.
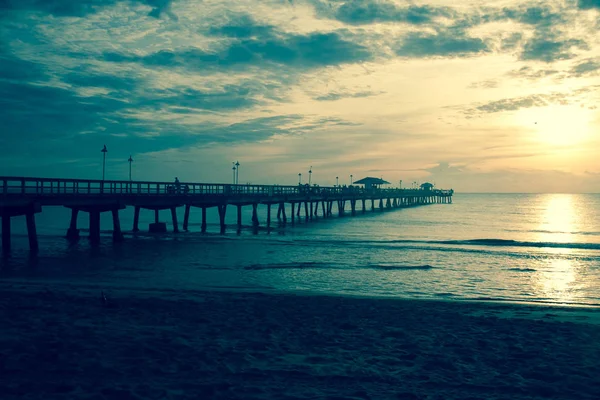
177 185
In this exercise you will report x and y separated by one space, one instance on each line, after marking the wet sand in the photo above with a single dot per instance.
62 342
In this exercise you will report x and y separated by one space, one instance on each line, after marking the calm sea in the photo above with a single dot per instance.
518 247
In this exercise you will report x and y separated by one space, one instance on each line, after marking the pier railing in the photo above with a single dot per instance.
49 187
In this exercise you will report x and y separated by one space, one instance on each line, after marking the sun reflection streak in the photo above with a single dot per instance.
558 220
558 279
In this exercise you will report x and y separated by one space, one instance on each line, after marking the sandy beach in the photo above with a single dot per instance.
62 342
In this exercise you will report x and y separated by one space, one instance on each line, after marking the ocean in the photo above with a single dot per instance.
500 247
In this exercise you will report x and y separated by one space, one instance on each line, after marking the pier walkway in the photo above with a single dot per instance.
27 196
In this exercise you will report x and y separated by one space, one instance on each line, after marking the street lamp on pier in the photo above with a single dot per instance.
234 169
309 175
104 151
237 172
299 178
337 181
350 179
130 160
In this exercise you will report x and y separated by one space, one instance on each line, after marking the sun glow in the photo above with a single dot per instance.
558 125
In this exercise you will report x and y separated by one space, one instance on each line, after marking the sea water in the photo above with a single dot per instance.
515 247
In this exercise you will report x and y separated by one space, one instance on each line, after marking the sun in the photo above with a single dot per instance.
558 125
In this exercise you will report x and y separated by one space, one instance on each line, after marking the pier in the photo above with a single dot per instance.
20 196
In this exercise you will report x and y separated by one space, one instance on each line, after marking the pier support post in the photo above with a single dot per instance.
312 211
157 227
186 217
298 212
254 215
174 218
372 204
293 209
381 204
283 212
239 215
353 206
306 210
388 203
94 226
323 208
222 211
279 211
117 234
31 232
268 215
136 219
6 233
363 205
73 232
203 226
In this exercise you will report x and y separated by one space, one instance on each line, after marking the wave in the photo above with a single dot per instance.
584 233
516 243
400 267
522 269
302 265
319 265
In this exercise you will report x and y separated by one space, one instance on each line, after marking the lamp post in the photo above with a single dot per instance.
400 183
337 181
299 178
350 179
309 175
130 160
104 151
234 169
237 172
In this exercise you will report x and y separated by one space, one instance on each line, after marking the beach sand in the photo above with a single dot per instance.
59 342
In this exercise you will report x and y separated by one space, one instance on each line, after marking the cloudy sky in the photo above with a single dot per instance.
481 96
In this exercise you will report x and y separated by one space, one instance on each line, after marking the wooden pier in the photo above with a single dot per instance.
27 196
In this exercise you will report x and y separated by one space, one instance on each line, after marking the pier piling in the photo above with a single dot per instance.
31 232
186 217
73 232
136 219
94 226
6 234
117 234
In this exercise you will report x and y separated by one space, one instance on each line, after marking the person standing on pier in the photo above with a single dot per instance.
177 185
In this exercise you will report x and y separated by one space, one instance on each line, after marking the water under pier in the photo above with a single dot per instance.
28 196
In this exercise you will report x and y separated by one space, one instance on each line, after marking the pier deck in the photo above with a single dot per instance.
28 196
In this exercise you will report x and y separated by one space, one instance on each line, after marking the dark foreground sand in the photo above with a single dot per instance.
60 342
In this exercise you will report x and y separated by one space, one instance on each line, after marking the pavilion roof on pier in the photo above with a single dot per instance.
371 181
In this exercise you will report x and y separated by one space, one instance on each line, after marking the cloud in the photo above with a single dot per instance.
337 96
587 67
588 4
488 84
528 72
244 27
301 51
550 49
372 11
513 104
82 8
538 16
445 44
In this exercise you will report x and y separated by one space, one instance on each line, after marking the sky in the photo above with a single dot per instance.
478 96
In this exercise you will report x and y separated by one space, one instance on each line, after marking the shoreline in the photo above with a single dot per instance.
67 343
509 308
